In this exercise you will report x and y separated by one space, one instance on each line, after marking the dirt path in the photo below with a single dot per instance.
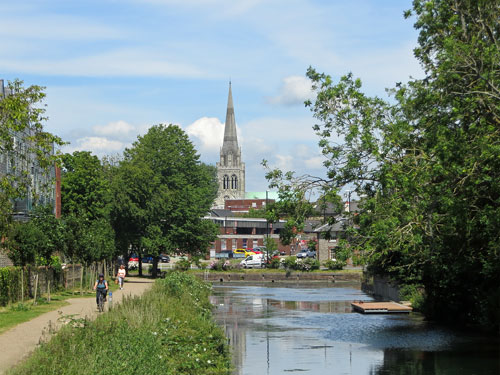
19 341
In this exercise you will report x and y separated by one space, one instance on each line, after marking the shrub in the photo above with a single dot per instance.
221 265
307 264
275 263
333 264
183 264
290 263
413 293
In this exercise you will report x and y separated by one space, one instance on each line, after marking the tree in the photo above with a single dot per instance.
427 163
161 194
24 146
35 241
86 205
85 189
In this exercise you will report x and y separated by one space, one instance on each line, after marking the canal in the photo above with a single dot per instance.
310 329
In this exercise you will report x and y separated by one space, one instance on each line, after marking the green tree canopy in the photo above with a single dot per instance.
86 204
161 193
427 164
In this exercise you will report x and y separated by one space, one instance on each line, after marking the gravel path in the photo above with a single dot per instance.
18 342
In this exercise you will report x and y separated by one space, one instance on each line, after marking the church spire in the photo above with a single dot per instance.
230 143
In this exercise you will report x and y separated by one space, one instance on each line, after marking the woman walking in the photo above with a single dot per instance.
121 275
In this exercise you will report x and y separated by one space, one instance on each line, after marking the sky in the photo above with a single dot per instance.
111 69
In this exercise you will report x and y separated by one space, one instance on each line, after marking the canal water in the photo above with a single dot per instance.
310 329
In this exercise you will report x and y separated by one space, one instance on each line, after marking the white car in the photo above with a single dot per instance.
253 261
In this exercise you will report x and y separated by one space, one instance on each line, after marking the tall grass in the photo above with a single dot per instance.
169 330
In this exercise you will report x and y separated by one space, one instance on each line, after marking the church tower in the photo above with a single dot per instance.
230 169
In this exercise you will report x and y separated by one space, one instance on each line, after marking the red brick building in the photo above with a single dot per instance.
243 233
244 205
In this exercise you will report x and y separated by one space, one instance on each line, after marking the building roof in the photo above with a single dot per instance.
262 195
219 212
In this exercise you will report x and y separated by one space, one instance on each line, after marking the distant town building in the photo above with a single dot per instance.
22 161
237 232
230 168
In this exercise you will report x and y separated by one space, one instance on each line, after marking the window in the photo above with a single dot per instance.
234 182
225 182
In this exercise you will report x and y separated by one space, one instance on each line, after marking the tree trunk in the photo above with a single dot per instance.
140 263
154 272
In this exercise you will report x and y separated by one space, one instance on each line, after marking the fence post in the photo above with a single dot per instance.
22 284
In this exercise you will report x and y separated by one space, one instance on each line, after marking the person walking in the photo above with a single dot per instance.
121 275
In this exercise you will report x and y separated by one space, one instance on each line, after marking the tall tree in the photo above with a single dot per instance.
162 191
427 164
86 205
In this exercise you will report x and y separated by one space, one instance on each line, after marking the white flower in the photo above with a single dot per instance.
209 361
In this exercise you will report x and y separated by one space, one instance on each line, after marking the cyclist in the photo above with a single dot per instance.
121 275
101 286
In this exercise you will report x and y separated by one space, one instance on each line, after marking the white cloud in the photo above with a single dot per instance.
294 90
97 145
315 162
209 131
116 129
58 27
284 162
116 63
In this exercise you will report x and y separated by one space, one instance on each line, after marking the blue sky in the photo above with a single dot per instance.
113 68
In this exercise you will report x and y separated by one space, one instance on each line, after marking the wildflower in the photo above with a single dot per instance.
209 361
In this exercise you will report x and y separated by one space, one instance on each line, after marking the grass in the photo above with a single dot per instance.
20 312
169 330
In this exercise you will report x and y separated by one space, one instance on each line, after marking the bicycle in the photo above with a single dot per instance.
100 302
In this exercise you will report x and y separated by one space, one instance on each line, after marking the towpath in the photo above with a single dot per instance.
18 342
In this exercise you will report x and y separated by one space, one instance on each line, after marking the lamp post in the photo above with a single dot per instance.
267 222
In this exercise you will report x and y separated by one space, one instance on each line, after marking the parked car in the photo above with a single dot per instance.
147 259
133 258
224 254
253 261
255 251
311 253
243 251
164 258
302 254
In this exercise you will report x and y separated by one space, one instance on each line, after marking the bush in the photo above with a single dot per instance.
275 263
290 263
413 293
221 265
333 264
307 264
183 264
167 331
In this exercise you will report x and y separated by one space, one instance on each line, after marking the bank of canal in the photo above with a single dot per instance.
309 328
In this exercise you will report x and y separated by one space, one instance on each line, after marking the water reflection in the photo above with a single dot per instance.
310 329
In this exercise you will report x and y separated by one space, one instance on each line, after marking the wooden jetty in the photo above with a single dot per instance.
380 307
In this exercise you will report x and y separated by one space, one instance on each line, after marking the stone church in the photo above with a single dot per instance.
230 168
